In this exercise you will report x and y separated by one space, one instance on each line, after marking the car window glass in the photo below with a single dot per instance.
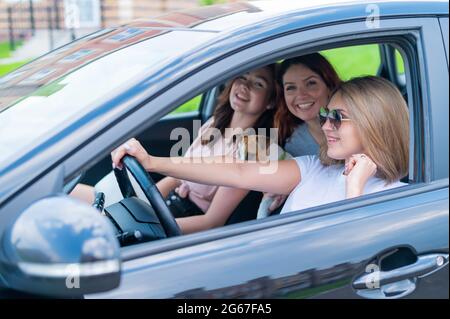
400 70
51 105
365 59
190 106
399 63
354 61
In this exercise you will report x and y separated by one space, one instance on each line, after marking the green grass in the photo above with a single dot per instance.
354 61
189 106
399 62
359 60
49 89
311 292
6 68
5 51
210 2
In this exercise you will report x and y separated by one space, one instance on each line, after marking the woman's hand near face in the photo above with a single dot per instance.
358 169
134 148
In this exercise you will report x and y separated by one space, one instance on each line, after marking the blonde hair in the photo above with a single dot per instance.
380 116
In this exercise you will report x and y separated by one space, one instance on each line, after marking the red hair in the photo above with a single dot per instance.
284 120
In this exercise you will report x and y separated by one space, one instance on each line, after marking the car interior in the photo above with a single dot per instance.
386 60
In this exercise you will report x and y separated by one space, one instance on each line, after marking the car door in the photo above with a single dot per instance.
295 256
387 245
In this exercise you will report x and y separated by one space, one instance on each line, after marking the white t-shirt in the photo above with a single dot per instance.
324 184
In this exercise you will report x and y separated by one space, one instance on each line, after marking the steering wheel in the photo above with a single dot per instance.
150 190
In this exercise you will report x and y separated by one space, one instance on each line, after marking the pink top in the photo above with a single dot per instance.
201 194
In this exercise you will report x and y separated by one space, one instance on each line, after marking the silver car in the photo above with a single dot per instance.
63 113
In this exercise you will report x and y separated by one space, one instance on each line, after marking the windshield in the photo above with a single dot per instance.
44 109
43 97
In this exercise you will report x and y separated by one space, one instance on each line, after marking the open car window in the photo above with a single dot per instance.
366 61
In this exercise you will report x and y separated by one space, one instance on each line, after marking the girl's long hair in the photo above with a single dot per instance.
380 115
224 112
284 120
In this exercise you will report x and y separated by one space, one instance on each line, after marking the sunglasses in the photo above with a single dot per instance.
335 116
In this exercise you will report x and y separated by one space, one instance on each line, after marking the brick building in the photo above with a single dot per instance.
50 14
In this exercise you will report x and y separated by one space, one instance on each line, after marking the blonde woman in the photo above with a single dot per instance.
307 82
366 125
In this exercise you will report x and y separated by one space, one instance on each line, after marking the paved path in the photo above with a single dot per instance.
42 42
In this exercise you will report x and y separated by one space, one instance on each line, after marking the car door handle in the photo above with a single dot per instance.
405 277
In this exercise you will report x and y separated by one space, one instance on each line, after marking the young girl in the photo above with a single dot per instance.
247 101
366 125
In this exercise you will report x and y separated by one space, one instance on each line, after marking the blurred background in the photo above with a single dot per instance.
30 28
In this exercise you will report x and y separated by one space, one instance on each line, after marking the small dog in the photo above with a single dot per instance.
260 148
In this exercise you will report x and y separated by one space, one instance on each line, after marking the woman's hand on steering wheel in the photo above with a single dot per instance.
134 148
138 164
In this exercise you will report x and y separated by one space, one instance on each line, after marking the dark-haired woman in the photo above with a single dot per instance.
247 101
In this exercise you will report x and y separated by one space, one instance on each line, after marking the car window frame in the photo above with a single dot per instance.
419 186
260 54
443 21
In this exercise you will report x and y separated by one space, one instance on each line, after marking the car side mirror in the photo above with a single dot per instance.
60 247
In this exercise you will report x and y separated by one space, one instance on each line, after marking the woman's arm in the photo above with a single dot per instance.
84 192
279 177
167 184
224 172
222 206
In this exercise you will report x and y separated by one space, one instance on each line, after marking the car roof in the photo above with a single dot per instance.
223 21
264 9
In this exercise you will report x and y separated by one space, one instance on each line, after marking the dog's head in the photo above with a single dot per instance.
257 148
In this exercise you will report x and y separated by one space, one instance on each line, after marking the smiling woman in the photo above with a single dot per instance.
307 82
372 142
